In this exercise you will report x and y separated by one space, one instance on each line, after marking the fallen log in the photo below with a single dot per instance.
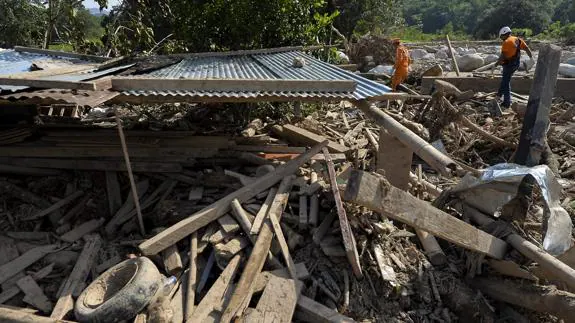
375 193
545 299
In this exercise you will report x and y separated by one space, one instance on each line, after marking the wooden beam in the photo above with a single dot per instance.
77 152
8 293
49 84
280 297
253 267
82 230
308 310
301 136
34 295
261 215
212 212
100 165
19 264
453 59
375 193
436 159
49 52
56 206
172 260
214 299
347 234
255 85
533 138
264 277
192 277
77 277
72 68
283 244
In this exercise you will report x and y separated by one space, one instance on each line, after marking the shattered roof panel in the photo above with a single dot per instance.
261 66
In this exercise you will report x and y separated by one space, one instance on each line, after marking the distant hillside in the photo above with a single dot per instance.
96 12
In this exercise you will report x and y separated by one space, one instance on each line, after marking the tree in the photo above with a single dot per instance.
21 23
363 16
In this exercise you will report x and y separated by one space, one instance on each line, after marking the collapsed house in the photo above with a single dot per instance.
320 219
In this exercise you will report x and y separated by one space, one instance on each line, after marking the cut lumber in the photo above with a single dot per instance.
29 171
347 234
19 264
229 224
172 260
452 54
280 297
49 84
308 310
264 277
375 193
260 216
212 212
253 267
544 299
215 296
56 206
301 136
283 244
91 164
556 267
313 203
268 85
432 249
395 159
192 277
436 159
78 276
16 316
241 216
231 248
323 228
387 272
125 212
114 192
34 295
206 272
303 215
82 230
8 293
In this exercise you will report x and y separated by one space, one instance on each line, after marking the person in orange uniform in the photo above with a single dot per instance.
510 59
401 67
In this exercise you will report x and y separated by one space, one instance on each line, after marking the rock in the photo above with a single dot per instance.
526 61
430 49
571 61
441 54
418 53
342 57
428 57
491 58
567 70
298 62
435 70
468 63
381 69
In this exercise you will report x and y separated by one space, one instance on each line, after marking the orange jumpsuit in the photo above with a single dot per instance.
401 67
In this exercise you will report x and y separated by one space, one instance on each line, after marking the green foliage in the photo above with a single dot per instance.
532 14
523 32
21 23
557 31
362 16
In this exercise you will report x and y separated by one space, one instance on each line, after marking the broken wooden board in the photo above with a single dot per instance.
308 310
347 234
212 212
280 297
49 84
283 244
19 264
214 299
260 216
14 290
375 193
192 278
228 224
301 136
114 192
82 230
78 276
395 159
172 260
34 295
264 277
55 206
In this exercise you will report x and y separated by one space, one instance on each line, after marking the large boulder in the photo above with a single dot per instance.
470 62
441 54
428 57
417 53
381 69
491 58
435 70
567 70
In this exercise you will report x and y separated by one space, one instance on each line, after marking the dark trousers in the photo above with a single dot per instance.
505 88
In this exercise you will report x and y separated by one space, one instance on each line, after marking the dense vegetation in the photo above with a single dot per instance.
145 26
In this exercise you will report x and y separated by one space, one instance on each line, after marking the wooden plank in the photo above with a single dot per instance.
303 215
56 206
78 232
76 152
78 276
280 297
114 192
253 267
10 315
260 216
241 216
228 224
308 310
34 295
264 277
301 136
29 171
101 165
192 277
255 85
375 193
231 248
533 138
50 52
8 293
28 258
347 234
71 68
215 296
278 149
202 218
283 244
395 159
453 59
172 260
313 202
49 84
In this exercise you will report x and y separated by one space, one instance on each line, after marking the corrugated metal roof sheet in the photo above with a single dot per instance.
261 66
81 98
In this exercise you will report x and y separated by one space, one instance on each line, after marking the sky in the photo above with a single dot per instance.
93 4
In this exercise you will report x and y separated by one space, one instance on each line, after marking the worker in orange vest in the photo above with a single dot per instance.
510 59
401 67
